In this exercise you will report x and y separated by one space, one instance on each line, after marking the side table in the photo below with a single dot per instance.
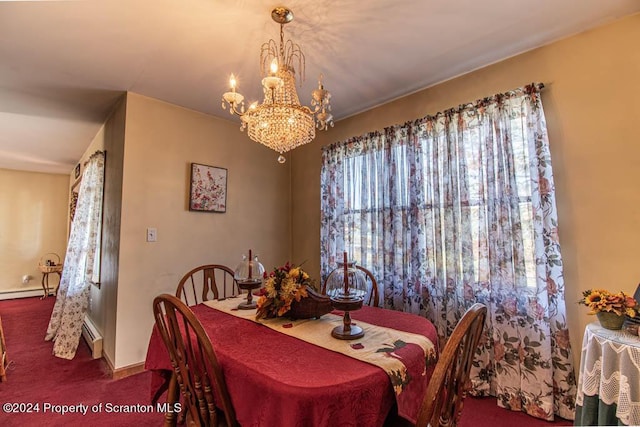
45 280
609 383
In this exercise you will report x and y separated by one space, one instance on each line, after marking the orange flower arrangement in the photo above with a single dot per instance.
601 300
281 287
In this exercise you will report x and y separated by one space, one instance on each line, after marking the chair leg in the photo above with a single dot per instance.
173 394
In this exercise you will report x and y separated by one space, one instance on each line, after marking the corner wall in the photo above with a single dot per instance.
161 141
592 110
104 309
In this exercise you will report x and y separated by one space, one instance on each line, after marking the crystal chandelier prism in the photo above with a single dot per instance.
280 122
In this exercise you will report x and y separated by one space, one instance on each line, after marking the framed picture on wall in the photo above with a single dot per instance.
208 192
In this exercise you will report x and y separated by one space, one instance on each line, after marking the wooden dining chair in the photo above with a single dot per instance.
196 371
207 282
373 297
4 361
447 388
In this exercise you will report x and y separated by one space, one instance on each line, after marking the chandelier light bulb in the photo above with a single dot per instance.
274 66
233 83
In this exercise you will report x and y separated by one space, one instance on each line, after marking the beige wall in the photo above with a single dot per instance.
33 221
161 140
592 110
104 301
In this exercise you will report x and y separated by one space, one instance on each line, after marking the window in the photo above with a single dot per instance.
459 208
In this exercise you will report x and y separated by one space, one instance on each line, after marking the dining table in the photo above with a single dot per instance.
278 380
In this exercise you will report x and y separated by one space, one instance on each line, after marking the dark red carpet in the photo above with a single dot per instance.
37 377
484 412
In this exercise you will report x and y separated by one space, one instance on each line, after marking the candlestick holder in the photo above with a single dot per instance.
248 275
347 287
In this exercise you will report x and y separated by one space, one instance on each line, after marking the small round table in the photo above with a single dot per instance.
45 278
609 383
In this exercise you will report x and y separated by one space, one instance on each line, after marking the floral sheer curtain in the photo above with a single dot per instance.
65 325
459 208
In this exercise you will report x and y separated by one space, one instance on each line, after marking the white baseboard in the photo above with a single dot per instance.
93 337
23 293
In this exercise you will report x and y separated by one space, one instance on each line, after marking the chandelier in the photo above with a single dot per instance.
280 122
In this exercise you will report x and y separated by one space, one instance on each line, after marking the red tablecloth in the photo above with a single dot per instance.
280 381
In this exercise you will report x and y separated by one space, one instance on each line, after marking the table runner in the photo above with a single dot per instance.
377 347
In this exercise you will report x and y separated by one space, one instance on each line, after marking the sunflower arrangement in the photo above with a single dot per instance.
601 300
282 287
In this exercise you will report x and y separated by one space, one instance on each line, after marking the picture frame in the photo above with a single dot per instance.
208 188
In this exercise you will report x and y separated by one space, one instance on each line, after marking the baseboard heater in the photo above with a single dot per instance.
92 337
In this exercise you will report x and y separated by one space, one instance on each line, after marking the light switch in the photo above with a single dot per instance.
152 234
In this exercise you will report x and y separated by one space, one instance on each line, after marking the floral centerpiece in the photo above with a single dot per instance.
609 307
601 300
282 287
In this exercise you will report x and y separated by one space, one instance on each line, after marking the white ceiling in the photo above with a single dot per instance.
64 63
